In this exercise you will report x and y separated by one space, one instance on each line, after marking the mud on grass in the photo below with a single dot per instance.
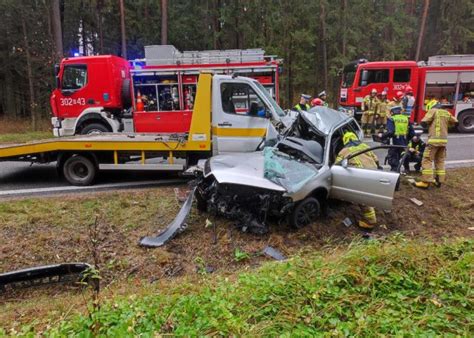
52 230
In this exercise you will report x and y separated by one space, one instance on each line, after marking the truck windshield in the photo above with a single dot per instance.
270 99
348 75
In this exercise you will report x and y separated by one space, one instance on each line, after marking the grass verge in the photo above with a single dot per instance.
25 136
391 287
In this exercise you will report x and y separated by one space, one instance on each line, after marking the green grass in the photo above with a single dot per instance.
25 137
397 287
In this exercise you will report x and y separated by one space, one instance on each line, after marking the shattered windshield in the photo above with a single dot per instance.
324 118
285 171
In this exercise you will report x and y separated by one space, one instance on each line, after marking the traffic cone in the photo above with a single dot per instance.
139 105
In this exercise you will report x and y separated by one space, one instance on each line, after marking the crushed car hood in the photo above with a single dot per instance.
242 168
270 169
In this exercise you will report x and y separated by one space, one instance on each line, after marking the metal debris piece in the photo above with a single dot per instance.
383 226
411 180
347 222
46 274
175 227
416 201
273 253
471 228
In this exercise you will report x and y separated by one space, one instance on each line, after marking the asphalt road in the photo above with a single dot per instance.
19 179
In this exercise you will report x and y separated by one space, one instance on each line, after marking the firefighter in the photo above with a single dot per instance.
369 109
383 112
323 97
408 101
367 160
303 104
438 121
416 147
317 102
400 131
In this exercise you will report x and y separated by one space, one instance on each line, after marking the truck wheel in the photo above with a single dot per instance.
94 128
305 212
126 94
466 122
79 170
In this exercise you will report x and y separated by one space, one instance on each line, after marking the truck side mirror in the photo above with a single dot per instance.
56 69
58 82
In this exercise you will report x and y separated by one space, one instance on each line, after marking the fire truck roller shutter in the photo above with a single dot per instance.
126 94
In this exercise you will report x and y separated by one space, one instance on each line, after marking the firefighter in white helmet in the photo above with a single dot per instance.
382 112
370 105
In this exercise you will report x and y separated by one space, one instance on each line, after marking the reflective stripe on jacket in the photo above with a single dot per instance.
438 121
366 160
299 107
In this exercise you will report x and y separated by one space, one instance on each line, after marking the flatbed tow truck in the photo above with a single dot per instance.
231 114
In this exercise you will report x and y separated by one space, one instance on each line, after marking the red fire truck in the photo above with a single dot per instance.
448 78
153 95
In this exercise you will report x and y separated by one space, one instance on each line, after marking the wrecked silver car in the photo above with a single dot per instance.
293 179
289 179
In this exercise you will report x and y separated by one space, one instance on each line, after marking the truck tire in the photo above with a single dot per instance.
79 170
94 128
126 94
305 212
466 122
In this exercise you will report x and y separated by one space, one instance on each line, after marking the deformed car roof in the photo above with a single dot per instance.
324 118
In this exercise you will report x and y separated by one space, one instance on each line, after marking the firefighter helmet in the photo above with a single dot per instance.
317 102
384 93
408 90
399 95
373 91
348 137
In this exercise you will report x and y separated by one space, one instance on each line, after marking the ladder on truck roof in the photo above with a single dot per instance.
450 60
158 55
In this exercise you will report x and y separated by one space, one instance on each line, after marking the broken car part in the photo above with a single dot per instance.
273 253
178 225
47 274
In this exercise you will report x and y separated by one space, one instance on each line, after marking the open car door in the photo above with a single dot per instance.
371 187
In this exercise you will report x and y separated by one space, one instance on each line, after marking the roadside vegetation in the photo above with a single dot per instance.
18 131
414 276
394 287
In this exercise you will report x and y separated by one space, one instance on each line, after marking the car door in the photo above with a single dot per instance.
239 116
370 187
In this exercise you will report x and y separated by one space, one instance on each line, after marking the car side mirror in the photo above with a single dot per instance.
344 163
268 114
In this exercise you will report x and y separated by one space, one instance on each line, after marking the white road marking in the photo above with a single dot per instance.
87 188
459 162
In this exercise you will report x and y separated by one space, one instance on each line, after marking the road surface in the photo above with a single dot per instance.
19 179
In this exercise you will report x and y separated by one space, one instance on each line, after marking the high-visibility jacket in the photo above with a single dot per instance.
370 104
399 129
366 160
300 107
438 121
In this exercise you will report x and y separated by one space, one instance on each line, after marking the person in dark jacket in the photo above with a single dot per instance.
400 131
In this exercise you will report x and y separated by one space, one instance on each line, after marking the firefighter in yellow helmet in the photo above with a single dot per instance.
367 160
438 121
370 106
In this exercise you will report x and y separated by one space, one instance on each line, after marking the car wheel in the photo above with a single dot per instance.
305 212
466 122
94 128
79 170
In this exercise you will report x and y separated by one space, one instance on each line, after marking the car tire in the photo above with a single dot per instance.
94 128
305 212
466 122
79 170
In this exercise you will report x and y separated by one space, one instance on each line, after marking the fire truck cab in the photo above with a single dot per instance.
448 78
152 95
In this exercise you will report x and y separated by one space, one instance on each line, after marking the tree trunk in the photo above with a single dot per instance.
57 30
323 41
422 29
98 13
164 22
34 122
122 30
344 28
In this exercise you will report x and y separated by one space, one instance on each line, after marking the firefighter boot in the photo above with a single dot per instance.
437 182
365 226
422 185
